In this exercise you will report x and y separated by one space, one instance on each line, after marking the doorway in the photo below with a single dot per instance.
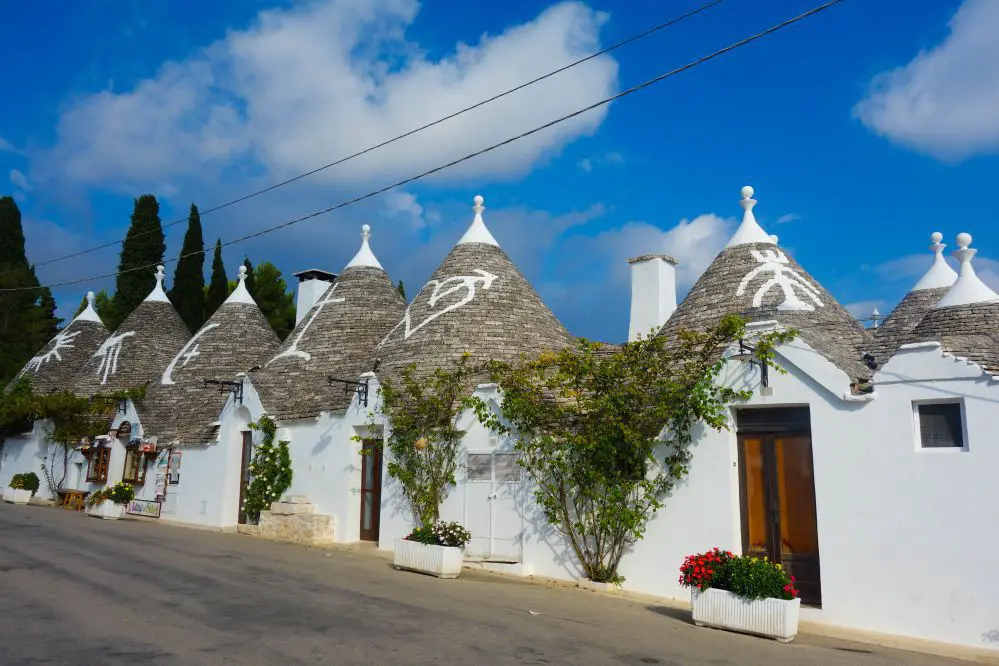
371 488
777 488
491 507
244 473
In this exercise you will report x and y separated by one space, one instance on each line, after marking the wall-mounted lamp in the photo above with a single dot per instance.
748 353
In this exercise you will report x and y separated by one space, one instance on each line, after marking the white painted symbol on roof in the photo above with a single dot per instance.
444 288
167 378
108 353
775 264
62 340
293 350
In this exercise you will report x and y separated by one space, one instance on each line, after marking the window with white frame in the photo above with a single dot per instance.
941 425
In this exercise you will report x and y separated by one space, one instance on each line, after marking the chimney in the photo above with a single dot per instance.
653 293
312 284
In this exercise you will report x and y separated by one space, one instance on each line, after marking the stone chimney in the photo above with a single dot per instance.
312 284
653 293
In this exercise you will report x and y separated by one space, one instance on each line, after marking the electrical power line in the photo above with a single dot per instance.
270 188
406 181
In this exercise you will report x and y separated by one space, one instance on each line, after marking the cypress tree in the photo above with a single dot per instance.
188 290
401 289
218 288
27 318
274 299
142 250
251 279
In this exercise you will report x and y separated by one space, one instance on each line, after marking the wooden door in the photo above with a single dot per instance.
371 489
778 504
244 472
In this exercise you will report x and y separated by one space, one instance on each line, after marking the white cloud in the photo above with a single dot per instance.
18 179
7 146
694 243
788 217
944 102
863 309
302 87
586 165
405 204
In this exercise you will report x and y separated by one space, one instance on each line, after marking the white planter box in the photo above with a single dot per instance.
8 494
20 496
107 510
773 618
440 561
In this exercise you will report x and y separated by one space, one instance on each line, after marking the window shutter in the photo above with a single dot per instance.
940 426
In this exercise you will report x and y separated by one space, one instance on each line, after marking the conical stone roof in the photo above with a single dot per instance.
755 279
475 302
178 408
55 366
336 338
965 321
898 328
139 350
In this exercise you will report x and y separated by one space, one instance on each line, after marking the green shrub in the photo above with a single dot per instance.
441 533
749 577
30 481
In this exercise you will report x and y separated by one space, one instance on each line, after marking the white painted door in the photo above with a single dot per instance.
492 489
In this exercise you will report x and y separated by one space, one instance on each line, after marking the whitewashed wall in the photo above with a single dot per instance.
906 536
26 453
326 461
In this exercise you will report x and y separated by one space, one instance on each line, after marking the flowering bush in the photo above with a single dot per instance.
26 481
270 471
452 534
120 493
749 577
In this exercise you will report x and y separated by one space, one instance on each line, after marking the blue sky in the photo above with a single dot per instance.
863 130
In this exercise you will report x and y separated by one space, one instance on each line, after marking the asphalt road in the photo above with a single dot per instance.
79 590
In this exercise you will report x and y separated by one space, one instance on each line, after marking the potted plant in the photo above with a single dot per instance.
22 488
109 503
438 549
741 593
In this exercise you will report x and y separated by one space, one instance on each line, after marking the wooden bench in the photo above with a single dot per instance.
72 500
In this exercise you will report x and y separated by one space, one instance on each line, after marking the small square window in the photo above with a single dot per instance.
940 426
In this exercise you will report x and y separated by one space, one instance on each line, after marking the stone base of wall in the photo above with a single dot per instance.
293 520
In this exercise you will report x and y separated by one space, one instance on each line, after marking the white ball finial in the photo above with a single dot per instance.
478 200
160 273
242 273
963 240
91 297
748 192
365 228
936 237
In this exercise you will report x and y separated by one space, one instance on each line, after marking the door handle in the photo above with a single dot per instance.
491 497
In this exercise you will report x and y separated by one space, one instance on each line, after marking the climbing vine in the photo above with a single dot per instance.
270 470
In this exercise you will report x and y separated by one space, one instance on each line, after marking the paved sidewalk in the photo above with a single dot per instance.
77 590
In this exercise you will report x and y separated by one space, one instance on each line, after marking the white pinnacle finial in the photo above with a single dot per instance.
749 231
477 232
90 312
241 294
968 288
157 294
940 275
364 256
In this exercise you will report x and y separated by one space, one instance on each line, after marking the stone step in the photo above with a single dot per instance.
286 508
296 499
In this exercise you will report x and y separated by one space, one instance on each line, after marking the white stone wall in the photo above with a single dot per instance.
906 536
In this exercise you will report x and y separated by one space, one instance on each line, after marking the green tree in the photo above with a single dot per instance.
589 427
102 303
218 288
142 250
251 279
274 299
188 290
424 440
27 316
401 289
